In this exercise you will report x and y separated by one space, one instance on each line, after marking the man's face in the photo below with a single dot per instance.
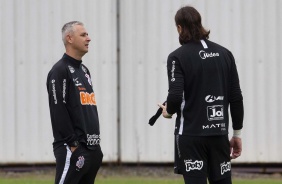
79 39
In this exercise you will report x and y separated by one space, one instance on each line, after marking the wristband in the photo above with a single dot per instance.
237 133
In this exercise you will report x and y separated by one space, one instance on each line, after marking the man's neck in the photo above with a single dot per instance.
74 55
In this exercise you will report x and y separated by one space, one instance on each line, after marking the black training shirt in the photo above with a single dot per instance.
203 82
72 104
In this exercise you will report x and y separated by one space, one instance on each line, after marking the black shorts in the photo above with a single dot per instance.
203 157
78 167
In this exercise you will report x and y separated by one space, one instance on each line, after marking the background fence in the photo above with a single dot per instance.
131 40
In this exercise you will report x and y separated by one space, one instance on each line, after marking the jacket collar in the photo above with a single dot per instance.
73 61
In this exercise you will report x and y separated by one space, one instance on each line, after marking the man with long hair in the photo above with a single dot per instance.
203 83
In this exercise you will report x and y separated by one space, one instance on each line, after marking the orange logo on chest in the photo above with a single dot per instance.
87 99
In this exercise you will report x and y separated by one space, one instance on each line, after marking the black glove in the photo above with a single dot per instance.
154 118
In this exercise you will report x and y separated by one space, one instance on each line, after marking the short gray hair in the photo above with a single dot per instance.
69 28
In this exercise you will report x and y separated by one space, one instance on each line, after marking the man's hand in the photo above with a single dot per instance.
235 147
165 114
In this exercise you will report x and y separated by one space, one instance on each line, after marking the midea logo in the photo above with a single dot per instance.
205 55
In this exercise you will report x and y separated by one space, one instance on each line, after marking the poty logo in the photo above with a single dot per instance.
196 165
225 167
205 55
211 98
215 112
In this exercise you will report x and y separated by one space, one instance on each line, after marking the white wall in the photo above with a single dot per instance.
250 29
31 44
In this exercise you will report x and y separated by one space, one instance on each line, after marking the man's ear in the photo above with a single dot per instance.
69 38
179 29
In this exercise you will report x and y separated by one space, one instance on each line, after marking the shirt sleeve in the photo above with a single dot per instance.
58 84
176 85
236 98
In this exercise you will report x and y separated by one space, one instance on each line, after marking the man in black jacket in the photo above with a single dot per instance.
73 111
203 82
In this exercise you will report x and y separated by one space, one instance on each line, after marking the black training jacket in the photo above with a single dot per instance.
203 82
72 104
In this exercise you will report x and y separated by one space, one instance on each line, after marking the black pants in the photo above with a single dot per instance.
199 158
78 167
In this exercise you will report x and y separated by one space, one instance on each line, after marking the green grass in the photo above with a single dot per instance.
177 181
130 180
257 181
126 175
265 181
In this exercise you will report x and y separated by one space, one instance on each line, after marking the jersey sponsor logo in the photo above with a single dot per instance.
215 112
93 139
81 89
223 128
89 79
196 165
76 82
225 167
172 71
215 125
211 98
80 163
54 91
205 55
64 90
87 99
72 70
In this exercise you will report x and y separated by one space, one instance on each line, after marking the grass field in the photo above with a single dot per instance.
127 175
140 180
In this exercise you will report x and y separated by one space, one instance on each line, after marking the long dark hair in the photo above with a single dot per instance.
190 21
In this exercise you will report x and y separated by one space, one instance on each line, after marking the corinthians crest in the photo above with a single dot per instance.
89 79
80 163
